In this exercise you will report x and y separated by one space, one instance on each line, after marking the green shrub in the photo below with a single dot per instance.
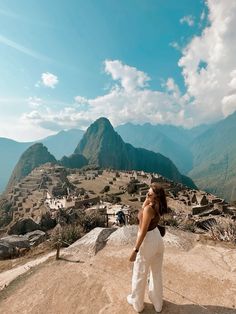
223 231
188 226
6 212
91 219
105 189
132 188
66 235
133 217
169 220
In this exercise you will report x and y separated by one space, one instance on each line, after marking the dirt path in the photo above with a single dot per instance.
196 281
8 276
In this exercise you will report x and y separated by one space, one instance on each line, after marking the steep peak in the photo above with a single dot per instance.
36 146
96 133
36 155
102 124
37 149
99 139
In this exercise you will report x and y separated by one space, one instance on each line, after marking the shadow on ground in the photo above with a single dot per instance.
172 308
70 260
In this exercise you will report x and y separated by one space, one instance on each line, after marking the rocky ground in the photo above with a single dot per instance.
94 275
198 278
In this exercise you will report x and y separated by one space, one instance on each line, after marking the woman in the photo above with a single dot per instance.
148 251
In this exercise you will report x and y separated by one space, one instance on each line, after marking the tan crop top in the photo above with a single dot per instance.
154 221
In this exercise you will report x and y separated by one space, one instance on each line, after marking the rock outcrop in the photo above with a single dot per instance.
23 226
92 242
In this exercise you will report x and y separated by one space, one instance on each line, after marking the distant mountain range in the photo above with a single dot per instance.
171 141
206 153
10 153
103 147
60 144
214 158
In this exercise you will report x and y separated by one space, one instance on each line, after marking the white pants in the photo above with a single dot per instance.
150 256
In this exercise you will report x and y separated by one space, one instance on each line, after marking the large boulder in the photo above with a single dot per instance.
125 235
18 241
7 250
47 222
92 242
36 237
23 226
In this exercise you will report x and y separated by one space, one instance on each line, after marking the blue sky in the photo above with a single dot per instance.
65 63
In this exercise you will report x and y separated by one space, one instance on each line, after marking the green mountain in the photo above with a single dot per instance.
10 153
104 147
73 161
34 156
60 144
168 140
214 159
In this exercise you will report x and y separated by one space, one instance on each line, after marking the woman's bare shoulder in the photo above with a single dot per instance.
148 209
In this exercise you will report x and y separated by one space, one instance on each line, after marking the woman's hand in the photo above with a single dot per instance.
146 202
132 257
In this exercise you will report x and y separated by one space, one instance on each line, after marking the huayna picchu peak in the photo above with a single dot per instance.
104 147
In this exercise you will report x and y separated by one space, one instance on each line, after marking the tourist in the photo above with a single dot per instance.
120 217
148 251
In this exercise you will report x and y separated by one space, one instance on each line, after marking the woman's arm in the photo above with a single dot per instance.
147 216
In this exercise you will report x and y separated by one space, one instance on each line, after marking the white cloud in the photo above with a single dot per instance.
129 101
211 86
49 79
23 130
129 77
188 19
203 15
232 83
55 120
34 101
172 87
229 104
175 45
81 100
209 70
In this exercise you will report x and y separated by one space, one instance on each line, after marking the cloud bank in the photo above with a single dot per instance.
208 66
213 85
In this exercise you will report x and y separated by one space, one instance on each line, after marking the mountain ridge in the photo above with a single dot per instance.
214 164
59 145
34 156
104 147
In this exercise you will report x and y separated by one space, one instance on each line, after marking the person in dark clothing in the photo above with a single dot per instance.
120 217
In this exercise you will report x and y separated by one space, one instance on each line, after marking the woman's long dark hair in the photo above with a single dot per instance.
160 197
